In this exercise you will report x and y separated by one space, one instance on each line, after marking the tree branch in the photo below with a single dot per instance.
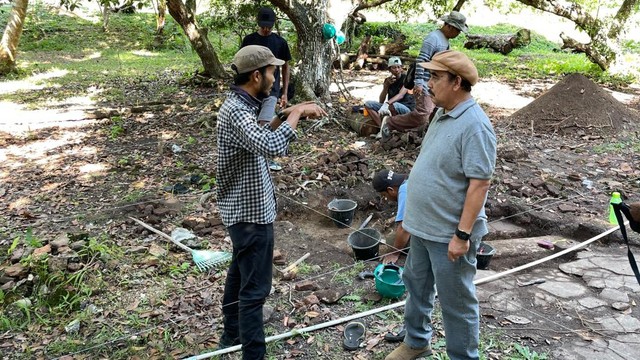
571 11
458 5
622 16
363 4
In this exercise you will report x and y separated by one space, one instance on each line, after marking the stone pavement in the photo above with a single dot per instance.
582 309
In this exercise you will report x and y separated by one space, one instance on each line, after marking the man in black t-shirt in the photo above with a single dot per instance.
279 94
398 100
278 46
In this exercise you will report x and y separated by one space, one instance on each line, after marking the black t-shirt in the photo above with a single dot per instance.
394 89
278 47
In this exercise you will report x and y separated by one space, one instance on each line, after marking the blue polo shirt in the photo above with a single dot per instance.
459 145
402 200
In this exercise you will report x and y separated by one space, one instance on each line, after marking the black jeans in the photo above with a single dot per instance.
248 285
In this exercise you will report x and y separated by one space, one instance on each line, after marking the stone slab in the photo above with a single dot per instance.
523 246
505 230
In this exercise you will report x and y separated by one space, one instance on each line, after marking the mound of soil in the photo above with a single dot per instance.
573 104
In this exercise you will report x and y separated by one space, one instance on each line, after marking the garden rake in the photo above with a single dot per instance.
204 259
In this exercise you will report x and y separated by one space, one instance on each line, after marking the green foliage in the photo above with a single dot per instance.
529 354
539 60
102 61
13 246
31 240
116 128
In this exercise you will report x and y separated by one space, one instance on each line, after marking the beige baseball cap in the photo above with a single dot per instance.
253 57
454 62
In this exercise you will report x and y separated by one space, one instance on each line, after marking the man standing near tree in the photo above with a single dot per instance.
280 49
444 214
246 194
435 42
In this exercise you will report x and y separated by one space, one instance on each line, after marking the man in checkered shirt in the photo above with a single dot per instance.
246 195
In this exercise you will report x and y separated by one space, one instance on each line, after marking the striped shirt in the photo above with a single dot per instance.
431 45
244 187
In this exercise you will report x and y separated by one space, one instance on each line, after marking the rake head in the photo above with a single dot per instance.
206 259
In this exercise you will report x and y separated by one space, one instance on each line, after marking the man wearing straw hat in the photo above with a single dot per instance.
444 214
246 195
438 40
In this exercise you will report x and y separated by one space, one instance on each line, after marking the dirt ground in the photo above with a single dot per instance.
85 182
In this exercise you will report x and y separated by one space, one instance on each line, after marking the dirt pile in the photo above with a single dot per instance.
576 105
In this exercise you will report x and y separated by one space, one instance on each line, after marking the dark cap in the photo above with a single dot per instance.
384 179
266 17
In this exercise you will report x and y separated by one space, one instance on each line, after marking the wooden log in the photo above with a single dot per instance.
503 44
395 48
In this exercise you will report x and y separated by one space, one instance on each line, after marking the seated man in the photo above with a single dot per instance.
394 187
398 102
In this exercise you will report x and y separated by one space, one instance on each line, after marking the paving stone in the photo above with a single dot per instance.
626 345
591 302
596 284
619 265
619 323
506 301
620 306
563 289
614 295
582 350
543 300
576 267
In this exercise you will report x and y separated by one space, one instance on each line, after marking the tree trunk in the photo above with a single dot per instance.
105 17
198 38
316 55
160 20
604 47
503 44
11 36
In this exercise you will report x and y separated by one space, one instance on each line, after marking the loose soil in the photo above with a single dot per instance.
576 104
85 182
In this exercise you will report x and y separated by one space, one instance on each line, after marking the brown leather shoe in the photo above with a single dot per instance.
404 352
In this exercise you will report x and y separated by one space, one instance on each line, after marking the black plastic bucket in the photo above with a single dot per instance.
342 211
484 255
365 243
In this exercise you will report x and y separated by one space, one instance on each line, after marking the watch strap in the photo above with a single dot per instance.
462 235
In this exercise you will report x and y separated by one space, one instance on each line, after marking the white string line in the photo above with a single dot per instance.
402 303
311 278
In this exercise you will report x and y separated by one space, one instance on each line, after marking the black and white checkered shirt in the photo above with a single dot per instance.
245 190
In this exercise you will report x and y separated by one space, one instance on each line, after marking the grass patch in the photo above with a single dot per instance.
542 59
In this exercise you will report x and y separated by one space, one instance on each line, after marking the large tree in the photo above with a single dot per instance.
316 54
604 32
11 36
183 13
604 47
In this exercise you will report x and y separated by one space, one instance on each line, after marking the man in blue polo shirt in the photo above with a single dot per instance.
446 193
